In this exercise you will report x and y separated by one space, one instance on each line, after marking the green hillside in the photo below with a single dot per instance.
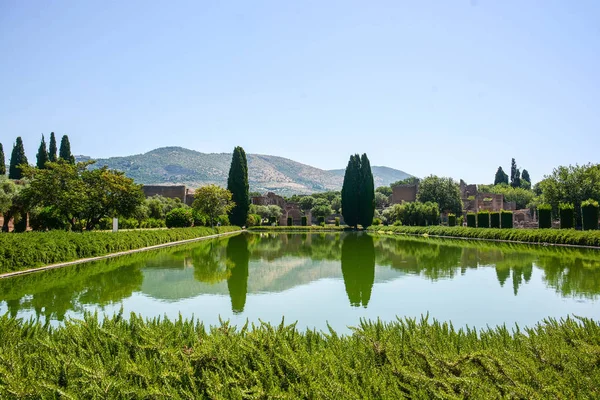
171 165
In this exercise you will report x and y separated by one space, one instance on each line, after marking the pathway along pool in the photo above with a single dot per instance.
315 279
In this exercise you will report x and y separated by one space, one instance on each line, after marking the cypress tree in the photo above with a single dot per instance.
525 176
366 193
52 148
42 155
350 191
500 177
515 175
237 184
17 158
65 150
2 161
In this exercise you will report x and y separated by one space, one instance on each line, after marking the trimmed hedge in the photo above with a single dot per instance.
545 216
304 220
337 221
589 214
495 220
550 236
471 220
290 221
119 358
20 251
567 216
179 218
483 219
506 219
451 220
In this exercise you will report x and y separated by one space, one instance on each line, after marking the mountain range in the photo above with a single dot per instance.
177 165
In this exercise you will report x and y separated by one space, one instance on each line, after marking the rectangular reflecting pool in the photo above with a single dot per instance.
320 279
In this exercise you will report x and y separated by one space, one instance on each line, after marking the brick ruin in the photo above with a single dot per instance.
180 192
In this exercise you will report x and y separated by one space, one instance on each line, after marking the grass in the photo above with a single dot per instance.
159 358
20 251
545 236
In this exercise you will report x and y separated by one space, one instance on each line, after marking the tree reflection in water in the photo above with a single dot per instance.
358 268
238 257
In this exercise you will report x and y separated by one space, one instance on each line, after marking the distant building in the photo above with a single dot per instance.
403 193
171 191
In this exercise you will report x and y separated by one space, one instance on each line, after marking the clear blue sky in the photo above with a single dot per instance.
453 88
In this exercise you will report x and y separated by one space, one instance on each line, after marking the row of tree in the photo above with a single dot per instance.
358 192
44 155
517 178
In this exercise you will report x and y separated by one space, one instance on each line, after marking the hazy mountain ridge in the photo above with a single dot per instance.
177 165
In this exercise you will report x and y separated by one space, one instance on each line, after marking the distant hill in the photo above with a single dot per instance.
177 165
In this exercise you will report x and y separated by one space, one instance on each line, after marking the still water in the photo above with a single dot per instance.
320 279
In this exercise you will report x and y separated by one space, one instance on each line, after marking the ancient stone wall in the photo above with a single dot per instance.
170 191
406 193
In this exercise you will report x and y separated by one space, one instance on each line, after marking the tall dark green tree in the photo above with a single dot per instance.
366 193
350 191
52 149
2 161
237 184
500 177
65 150
525 176
515 174
42 155
17 158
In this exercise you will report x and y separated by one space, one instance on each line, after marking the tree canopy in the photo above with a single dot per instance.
52 150
42 155
212 201
65 150
443 191
17 159
501 177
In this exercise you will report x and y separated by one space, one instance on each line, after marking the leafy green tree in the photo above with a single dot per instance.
17 159
412 180
213 201
500 177
321 208
350 191
307 203
522 197
336 204
443 191
237 184
8 189
366 193
381 200
52 149
274 212
42 155
385 190
2 161
65 150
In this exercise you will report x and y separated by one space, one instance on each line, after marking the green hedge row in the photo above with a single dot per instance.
483 219
471 220
567 216
451 219
495 220
135 358
550 236
506 219
589 213
19 251
544 216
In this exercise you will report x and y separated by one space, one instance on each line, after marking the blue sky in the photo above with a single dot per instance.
452 88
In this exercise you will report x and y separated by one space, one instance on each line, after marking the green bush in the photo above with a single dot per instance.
495 220
128 223
122 358
567 216
290 221
21 251
589 214
483 219
199 218
179 218
152 223
550 236
460 221
545 216
337 221
506 218
451 219
46 219
471 220
253 220
376 222
304 220
223 220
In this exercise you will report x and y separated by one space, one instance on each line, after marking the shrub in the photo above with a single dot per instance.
304 220
471 220
128 223
483 219
545 216
567 216
272 220
47 218
451 219
179 218
321 220
253 220
152 223
506 218
290 221
589 214
337 221
460 221
223 220
199 218
495 220
376 222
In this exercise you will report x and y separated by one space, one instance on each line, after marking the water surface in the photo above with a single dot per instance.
320 279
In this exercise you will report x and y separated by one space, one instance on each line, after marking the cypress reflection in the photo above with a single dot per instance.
237 283
358 268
